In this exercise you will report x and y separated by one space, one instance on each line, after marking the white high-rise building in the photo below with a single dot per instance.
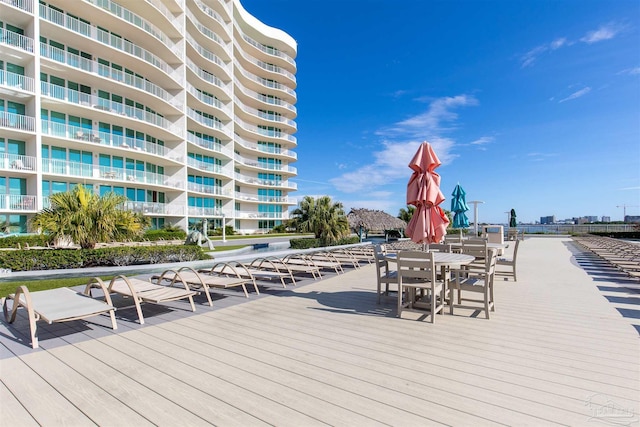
186 107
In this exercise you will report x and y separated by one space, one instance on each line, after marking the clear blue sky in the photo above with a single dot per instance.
531 105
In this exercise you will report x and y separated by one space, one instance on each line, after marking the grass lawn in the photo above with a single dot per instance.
7 288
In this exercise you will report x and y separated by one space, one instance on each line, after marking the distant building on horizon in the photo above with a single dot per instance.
606 219
632 219
548 219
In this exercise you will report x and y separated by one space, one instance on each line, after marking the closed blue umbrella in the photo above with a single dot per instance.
512 219
459 207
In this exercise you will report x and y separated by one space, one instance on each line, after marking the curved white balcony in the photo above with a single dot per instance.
272 118
16 40
208 77
264 65
17 162
90 66
131 176
211 101
264 165
208 189
209 167
60 130
209 123
266 83
247 197
134 19
215 16
266 182
210 145
88 100
17 122
107 39
208 55
271 101
17 81
206 32
265 149
272 51
265 132
160 7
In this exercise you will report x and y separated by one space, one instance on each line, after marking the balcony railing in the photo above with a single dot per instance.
17 202
209 122
153 208
266 99
263 199
266 182
16 81
209 100
16 40
134 19
130 175
213 14
106 38
210 56
270 133
209 167
91 66
208 189
26 5
17 162
207 32
102 104
260 215
266 82
275 118
265 66
209 145
63 167
269 50
177 23
17 121
61 130
264 148
264 165
199 211
207 76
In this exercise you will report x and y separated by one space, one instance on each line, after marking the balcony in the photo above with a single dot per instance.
17 162
208 189
90 66
26 5
76 133
209 167
264 199
209 56
265 149
204 212
261 215
105 105
210 101
18 203
132 176
208 77
16 40
267 84
103 37
269 50
16 81
17 122
266 182
275 119
66 168
153 208
209 145
265 165
209 122
266 66
269 133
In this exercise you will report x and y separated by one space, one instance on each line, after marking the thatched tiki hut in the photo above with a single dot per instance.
365 221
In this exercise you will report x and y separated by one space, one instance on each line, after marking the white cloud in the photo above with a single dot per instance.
401 140
532 56
558 43
483 140
605 32
630 71
577 94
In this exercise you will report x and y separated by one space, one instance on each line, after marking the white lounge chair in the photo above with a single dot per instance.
56 305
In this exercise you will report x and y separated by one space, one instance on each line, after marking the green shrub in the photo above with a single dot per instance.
310 242
154 235
24 240
27 260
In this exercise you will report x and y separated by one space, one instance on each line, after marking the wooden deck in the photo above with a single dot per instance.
562 348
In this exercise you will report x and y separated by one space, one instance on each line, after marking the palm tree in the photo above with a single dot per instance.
406 214
86 218
322 217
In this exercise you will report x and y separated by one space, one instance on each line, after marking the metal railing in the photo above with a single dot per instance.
208 189
64 167
17 202
17 162
16 40
17 121
264 148
209 145
16 81
26 5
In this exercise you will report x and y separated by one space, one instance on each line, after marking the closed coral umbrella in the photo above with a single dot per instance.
429 222
512 220
459 207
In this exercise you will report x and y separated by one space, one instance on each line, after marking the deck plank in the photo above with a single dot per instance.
325 353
